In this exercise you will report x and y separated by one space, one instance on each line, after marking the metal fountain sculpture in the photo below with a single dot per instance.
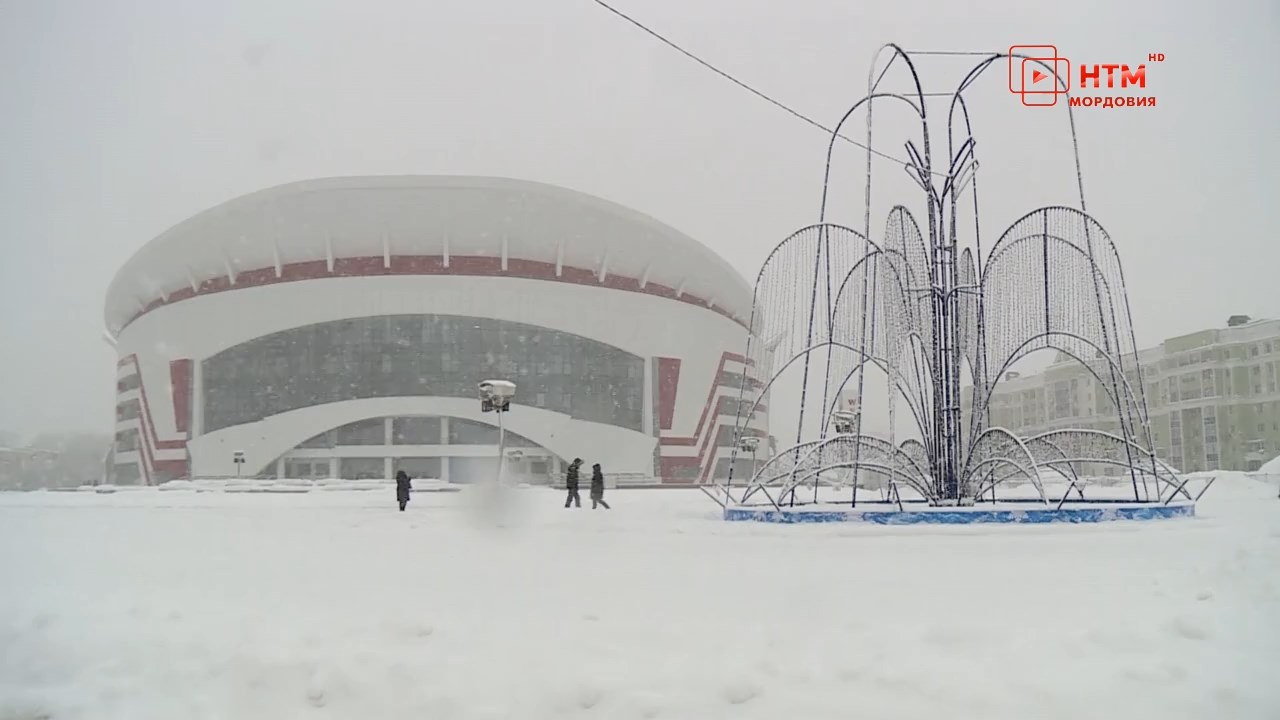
932 308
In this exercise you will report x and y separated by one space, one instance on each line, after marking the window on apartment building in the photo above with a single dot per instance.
1253 351
1268 348
128 410
1189 386
1210 435
127 440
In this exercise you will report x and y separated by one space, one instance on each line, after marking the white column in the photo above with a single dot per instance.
388 462
280 467
333 467
197 399
444 440
646 397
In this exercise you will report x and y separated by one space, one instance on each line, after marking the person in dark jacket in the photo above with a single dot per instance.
597 488
571 483
403 487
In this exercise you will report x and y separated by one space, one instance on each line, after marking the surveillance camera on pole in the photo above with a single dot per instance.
495 396
844 421
749 443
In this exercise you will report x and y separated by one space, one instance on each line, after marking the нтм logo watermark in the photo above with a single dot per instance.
1038 76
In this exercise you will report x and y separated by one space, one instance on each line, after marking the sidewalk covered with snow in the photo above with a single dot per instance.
148 604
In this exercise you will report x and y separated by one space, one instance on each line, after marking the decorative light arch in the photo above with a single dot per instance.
924 303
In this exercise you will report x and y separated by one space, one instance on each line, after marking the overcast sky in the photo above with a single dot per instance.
121 119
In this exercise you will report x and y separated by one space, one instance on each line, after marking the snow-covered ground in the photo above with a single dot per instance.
148 604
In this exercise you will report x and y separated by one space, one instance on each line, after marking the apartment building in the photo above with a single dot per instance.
1213 397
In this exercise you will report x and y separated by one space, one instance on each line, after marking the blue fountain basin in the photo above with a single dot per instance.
1000 513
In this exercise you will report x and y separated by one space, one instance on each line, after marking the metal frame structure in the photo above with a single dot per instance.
927 309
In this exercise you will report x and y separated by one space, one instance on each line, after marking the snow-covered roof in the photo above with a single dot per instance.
461 216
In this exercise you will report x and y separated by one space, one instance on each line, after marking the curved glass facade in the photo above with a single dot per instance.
421 355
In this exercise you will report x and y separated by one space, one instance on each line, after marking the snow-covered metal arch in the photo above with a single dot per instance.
921 306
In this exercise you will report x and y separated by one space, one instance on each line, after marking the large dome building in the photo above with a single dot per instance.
338 328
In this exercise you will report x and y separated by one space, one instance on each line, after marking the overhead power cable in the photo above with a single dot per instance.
776 103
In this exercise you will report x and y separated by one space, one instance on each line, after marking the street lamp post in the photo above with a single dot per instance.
845 422
749 443
495 397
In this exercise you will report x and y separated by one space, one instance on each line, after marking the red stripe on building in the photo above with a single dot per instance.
427 265
180 388
145 456
150 439
174 468
668 465
146 412
180 377
711 399
668 381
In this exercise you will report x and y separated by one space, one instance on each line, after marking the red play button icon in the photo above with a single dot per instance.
1043 79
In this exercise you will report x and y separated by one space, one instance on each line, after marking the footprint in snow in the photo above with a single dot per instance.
1189 629
740 692
589 696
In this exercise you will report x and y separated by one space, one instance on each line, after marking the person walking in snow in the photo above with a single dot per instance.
571 483
403 486
597 488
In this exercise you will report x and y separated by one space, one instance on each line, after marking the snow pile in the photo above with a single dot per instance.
322 605
244 486
1271 467
436 485
357 485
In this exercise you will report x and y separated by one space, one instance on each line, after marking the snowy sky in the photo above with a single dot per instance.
122 118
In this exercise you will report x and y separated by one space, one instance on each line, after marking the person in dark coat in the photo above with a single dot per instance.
597 488
571 483
403 487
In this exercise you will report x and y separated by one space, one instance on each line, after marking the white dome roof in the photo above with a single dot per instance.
459 216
